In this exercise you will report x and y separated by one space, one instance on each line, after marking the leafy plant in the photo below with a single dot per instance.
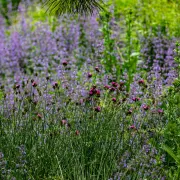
176 158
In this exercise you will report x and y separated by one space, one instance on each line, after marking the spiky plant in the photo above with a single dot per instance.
57 7
83 7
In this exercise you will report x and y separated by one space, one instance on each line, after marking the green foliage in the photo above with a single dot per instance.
171 131
4 8
109 60
131 58
151 16
176 158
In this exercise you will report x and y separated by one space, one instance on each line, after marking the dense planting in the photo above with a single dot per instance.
89 97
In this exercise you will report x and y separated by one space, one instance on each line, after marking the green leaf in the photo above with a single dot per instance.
1 95
171 153
135 54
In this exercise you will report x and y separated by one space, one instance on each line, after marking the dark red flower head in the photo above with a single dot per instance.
64 63
17 86
129 112
97 109
121 83
39 116
135 99
77 132
145 107
114 84
107 87
34 84
98 93
55 85
97 69
132 127
114 99
160 111
141 81
89 75
63 122
91 93
112 89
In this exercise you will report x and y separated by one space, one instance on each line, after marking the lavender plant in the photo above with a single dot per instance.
171 132
63 115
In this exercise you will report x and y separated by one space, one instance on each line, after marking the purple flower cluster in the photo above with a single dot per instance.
158 55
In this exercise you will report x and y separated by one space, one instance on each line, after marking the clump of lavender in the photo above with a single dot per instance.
158 55
20 167
147 163
2 165
4 171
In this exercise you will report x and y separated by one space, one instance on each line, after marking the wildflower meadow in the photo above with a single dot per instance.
90 97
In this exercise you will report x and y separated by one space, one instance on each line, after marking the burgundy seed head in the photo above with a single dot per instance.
34 84
97 109
55 85
160 111
93 90
89 75
77 132
39 116
63 122
47 78
98 93
91 93
132 127
129 112
97 69
124 99
112 89
107 87
17 86
35 102
121 83
145 107
135 99
114 84
64 63
141 81
114 99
